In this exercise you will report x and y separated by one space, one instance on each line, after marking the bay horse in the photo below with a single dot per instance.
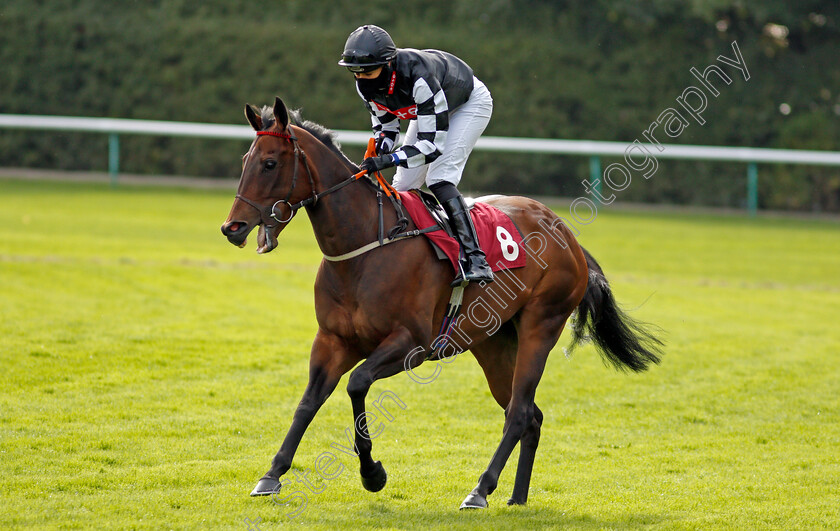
379 307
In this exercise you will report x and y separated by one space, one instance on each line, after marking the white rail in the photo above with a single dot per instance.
593 149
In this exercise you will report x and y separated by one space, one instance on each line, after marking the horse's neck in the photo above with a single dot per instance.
348 218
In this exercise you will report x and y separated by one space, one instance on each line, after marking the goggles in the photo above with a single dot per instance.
362 69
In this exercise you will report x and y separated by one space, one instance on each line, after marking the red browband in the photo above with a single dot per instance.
274 133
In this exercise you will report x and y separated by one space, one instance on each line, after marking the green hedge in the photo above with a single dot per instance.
601 70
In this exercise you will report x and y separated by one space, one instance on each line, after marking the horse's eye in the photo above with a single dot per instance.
270 164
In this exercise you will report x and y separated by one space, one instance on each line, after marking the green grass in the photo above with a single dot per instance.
149 372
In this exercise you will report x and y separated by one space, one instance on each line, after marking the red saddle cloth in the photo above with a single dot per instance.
497 235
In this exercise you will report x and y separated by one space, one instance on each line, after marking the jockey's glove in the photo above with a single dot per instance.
385 142
374 164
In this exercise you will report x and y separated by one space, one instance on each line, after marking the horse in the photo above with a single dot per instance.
380 309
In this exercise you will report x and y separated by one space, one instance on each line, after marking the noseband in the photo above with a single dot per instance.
267 213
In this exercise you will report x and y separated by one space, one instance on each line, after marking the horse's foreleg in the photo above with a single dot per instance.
387 360
329 360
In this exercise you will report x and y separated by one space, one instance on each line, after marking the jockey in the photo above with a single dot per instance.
448 108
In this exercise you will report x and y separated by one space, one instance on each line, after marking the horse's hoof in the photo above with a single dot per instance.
375 481
515 502
474 501
266 487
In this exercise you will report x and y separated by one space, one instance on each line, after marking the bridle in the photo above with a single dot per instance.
268 213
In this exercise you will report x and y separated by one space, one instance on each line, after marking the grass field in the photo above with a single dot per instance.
150 369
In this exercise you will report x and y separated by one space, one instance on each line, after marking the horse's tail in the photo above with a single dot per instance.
622 341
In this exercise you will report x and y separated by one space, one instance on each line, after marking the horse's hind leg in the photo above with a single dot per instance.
527 452
497 357
539 329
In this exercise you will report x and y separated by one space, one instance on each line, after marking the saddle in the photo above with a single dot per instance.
437 212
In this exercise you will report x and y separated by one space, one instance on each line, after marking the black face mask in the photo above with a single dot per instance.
378 85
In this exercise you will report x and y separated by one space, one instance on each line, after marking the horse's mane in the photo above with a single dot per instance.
327 137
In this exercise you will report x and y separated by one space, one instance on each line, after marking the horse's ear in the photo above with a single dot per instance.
253 117
281 115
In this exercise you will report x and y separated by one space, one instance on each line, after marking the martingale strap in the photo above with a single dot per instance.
392 194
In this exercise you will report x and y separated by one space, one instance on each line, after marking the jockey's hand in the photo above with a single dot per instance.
384 144
374 164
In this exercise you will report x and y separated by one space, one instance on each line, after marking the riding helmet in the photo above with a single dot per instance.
367 48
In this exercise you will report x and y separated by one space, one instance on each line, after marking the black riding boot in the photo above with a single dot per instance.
476 268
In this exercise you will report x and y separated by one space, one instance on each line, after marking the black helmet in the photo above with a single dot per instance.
367 48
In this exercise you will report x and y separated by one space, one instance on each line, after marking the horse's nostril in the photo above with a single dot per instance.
234 227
